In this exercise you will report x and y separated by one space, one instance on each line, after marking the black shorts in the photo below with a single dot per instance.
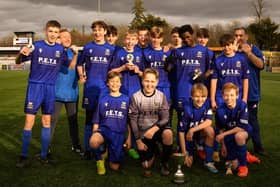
152 145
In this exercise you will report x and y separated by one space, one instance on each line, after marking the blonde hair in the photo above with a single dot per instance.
131 33
151 71
199 87
156 32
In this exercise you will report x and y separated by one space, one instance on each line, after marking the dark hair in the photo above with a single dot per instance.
53 23
99 23
226 39
185 28
142 28
202 33
174 30
112 75
63 30
241 28
111 29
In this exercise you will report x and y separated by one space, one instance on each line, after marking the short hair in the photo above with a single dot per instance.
131 32
112 30
53 23
202 33
156 32
199 87
226 39
241 28
64 30
185 28
112 75
100 24
142 28
152 71
229 86
175 30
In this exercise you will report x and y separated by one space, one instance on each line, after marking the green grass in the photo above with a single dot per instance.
72 171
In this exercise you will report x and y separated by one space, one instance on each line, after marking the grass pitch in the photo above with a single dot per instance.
72 171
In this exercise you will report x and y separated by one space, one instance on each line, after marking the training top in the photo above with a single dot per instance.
230 69
112 112
188 59
46 61
131 81
66 86
96 59
147 111
156 59
228 118
193 116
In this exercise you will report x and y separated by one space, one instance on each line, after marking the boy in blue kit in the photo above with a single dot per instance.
155 58
234 130
187 65
46 59
196 118
129 62
229 67
93 66
110 124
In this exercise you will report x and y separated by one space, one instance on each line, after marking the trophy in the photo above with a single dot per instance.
197 73
129 58
179 176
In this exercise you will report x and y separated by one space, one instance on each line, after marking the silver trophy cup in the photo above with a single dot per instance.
179 176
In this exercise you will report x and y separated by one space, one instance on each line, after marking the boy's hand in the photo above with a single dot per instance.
190 135
26 50
219 137
224 150
214 105
235 45
75 49
141 146
188 161
128 143
82 79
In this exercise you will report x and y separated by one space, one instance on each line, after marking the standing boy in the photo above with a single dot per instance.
149 115
92 67
46 59
229 67
129 62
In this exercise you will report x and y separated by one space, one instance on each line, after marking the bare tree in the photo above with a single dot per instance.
259 9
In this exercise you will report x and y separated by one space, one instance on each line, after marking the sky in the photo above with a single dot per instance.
31 15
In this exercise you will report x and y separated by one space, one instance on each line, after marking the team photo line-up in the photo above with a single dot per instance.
130 92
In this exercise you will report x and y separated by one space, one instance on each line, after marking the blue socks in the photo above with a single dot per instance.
209 153
88 133
45 141
26 138
241 154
